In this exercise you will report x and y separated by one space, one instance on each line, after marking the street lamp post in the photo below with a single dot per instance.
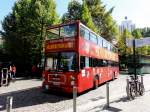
134 59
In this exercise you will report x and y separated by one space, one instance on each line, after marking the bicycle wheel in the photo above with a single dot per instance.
141 89
132 91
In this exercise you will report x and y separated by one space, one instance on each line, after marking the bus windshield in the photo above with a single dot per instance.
62 61
62 32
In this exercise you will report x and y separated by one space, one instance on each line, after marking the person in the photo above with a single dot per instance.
33 70
13 71
10 71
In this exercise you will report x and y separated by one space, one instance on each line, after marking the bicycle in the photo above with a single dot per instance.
135 87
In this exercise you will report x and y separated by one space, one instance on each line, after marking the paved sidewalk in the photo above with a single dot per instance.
119 101
140 104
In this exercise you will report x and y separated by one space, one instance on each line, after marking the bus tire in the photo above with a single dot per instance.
95 82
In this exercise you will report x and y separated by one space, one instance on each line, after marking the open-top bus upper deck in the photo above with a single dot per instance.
77 37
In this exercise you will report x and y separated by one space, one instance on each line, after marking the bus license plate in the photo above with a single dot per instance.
56 83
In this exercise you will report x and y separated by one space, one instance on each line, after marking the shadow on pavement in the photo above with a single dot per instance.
123 99
97 98
101 108
27 78
112 109
31 96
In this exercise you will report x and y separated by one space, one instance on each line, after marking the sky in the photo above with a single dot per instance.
136 10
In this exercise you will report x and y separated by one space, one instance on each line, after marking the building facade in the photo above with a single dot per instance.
126 24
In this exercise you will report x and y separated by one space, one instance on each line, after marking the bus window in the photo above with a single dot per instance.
105 44
100 41
68 30
105 63
84 33
100 63
62 61
84 62
52 33
109 46
93 38
93 62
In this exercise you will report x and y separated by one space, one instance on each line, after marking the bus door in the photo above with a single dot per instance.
85 76
109 70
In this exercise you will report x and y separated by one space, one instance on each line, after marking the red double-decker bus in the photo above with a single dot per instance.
73 51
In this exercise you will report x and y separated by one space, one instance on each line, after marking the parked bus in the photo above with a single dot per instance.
73 51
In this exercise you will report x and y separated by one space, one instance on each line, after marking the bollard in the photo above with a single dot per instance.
107 93
9 103
142 79
127 88
74 98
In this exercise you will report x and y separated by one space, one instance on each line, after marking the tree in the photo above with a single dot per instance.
145 32
86 17
96 13
123 49
24 30
136 34
74 11
141 50
102 19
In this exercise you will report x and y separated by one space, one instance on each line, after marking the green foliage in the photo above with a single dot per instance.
102 19
127 52
24 30
123 49
137 34
93 14
148 50
74 11
145 32
86 17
